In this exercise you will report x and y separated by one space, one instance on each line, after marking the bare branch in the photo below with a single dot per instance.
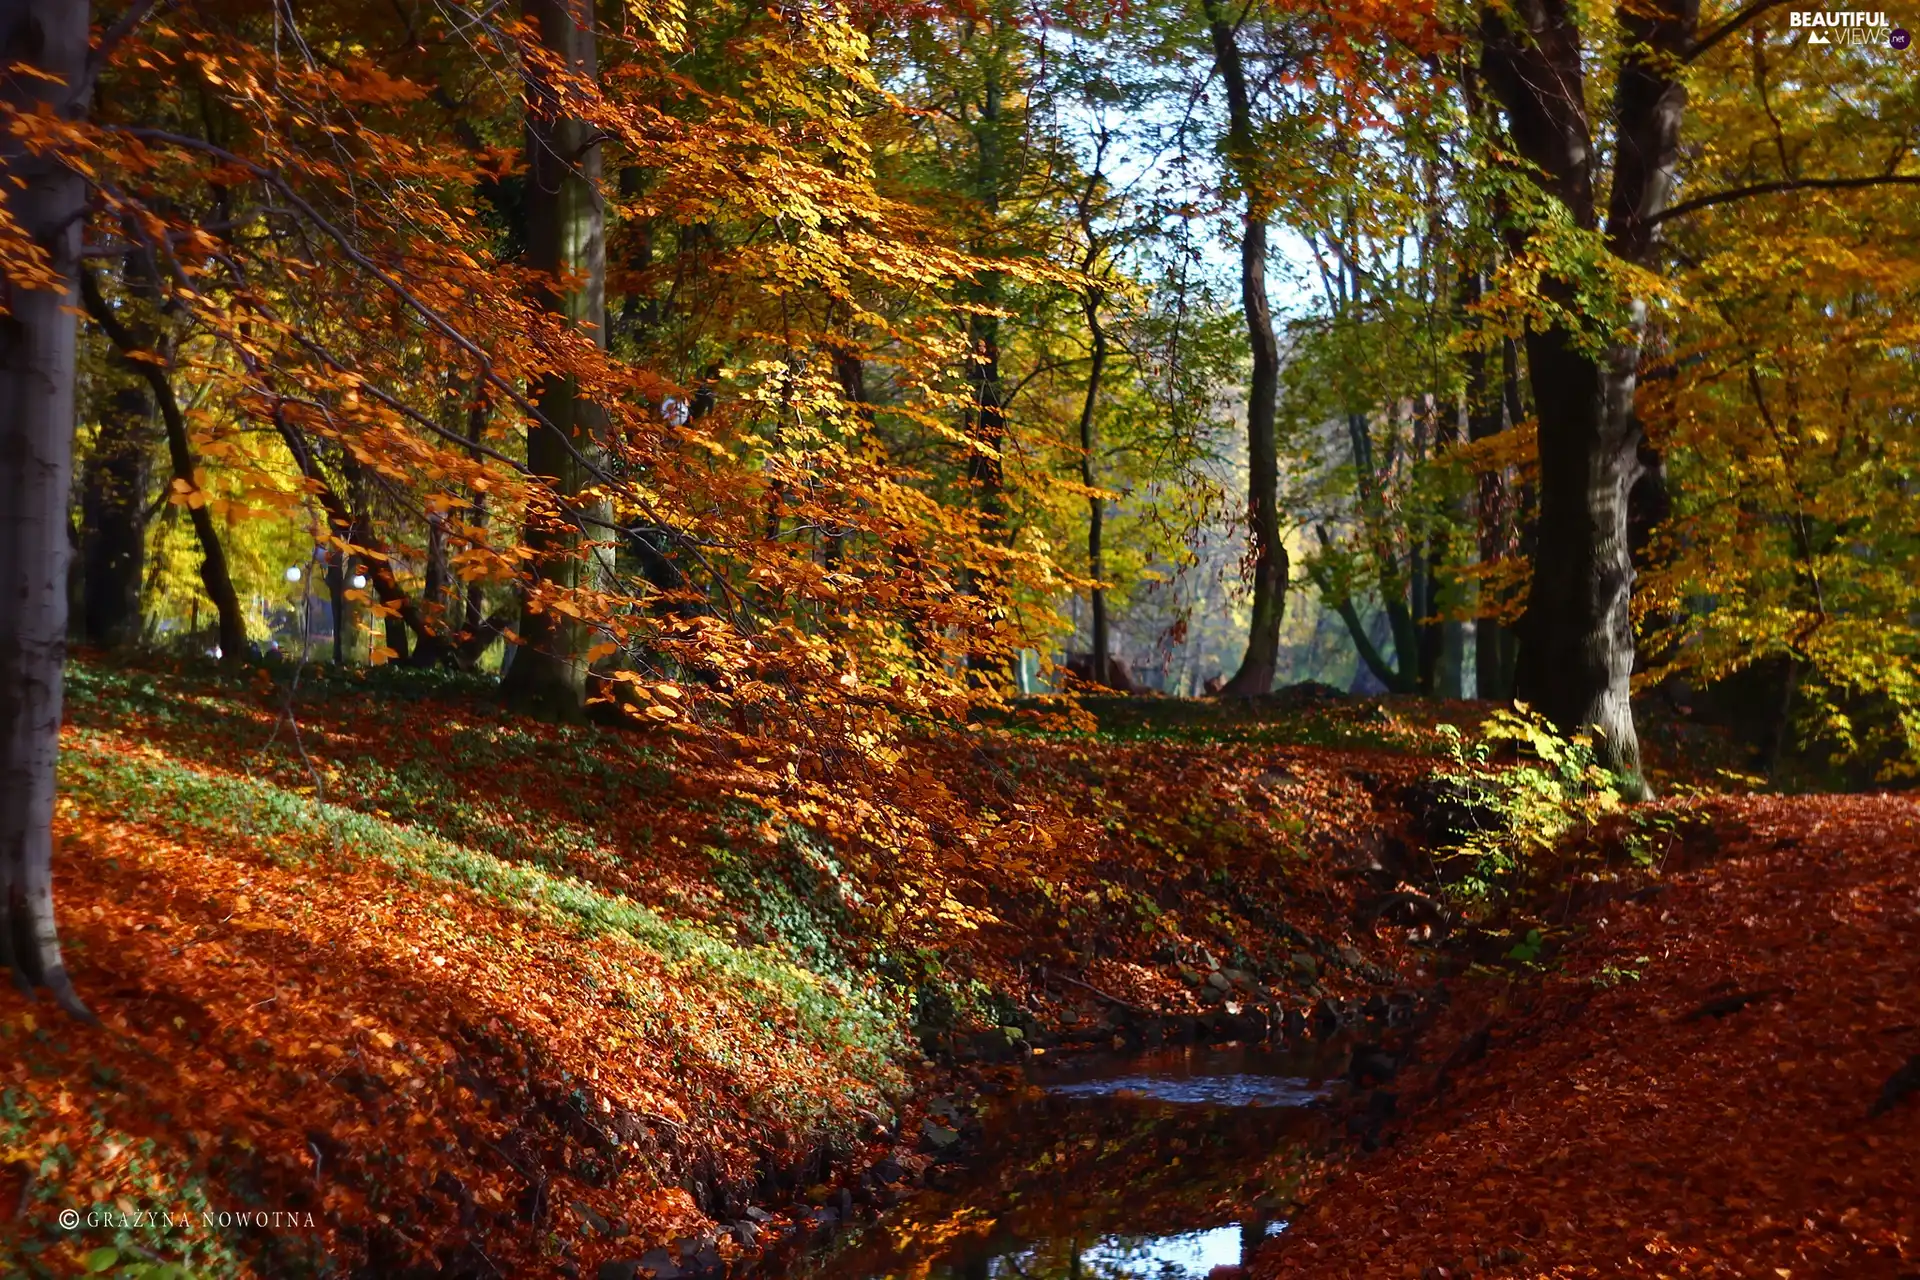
1698 203
1731 25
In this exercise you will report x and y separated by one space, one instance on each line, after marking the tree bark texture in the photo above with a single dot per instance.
38 343
1576 660
566 238
1267 552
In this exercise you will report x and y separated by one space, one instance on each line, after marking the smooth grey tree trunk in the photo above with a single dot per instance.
37 349
566 237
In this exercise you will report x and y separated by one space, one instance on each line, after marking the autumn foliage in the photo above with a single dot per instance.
639 579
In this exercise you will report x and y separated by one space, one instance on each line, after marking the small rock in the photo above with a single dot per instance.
747 1234
657 1263
1191 976
1219 981
1304 965
756 1214
888 1171
1240 978
1372 1065
585 1212
1350 956
935 1136
704 1262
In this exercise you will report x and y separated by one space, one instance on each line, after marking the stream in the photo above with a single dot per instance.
1164 1165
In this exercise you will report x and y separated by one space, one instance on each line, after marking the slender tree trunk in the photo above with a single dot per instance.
132 342
986 472
1099 665
1443 644
339 605
1400 590
38 344
566 238
850 371
1268 552
397 611
1485 419
114 495
1577 657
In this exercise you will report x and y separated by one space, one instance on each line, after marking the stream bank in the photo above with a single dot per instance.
528 999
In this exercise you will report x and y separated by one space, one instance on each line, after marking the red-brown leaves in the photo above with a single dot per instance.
1612 1129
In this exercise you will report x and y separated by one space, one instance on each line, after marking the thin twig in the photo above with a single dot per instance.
1088 986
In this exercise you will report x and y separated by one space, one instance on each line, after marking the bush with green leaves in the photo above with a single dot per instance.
1517 813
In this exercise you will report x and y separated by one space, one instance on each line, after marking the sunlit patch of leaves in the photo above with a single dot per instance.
833 1013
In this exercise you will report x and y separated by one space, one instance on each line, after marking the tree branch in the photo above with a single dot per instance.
1698 203
1730 26
440 324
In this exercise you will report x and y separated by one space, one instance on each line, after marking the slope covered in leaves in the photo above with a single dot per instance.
494 994
1697 1087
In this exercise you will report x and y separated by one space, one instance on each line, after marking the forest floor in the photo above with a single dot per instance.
445 988
454 992
1715 1073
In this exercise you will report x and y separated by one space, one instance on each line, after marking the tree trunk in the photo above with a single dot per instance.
566 240
1486 417
37 353
114 494
1268 553
133 341
340 607
1098 665
850 371
1443 639
1577 657
986 470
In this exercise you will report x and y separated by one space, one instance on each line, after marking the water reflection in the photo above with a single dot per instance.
1218 1091
1174 1257
1155 1168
